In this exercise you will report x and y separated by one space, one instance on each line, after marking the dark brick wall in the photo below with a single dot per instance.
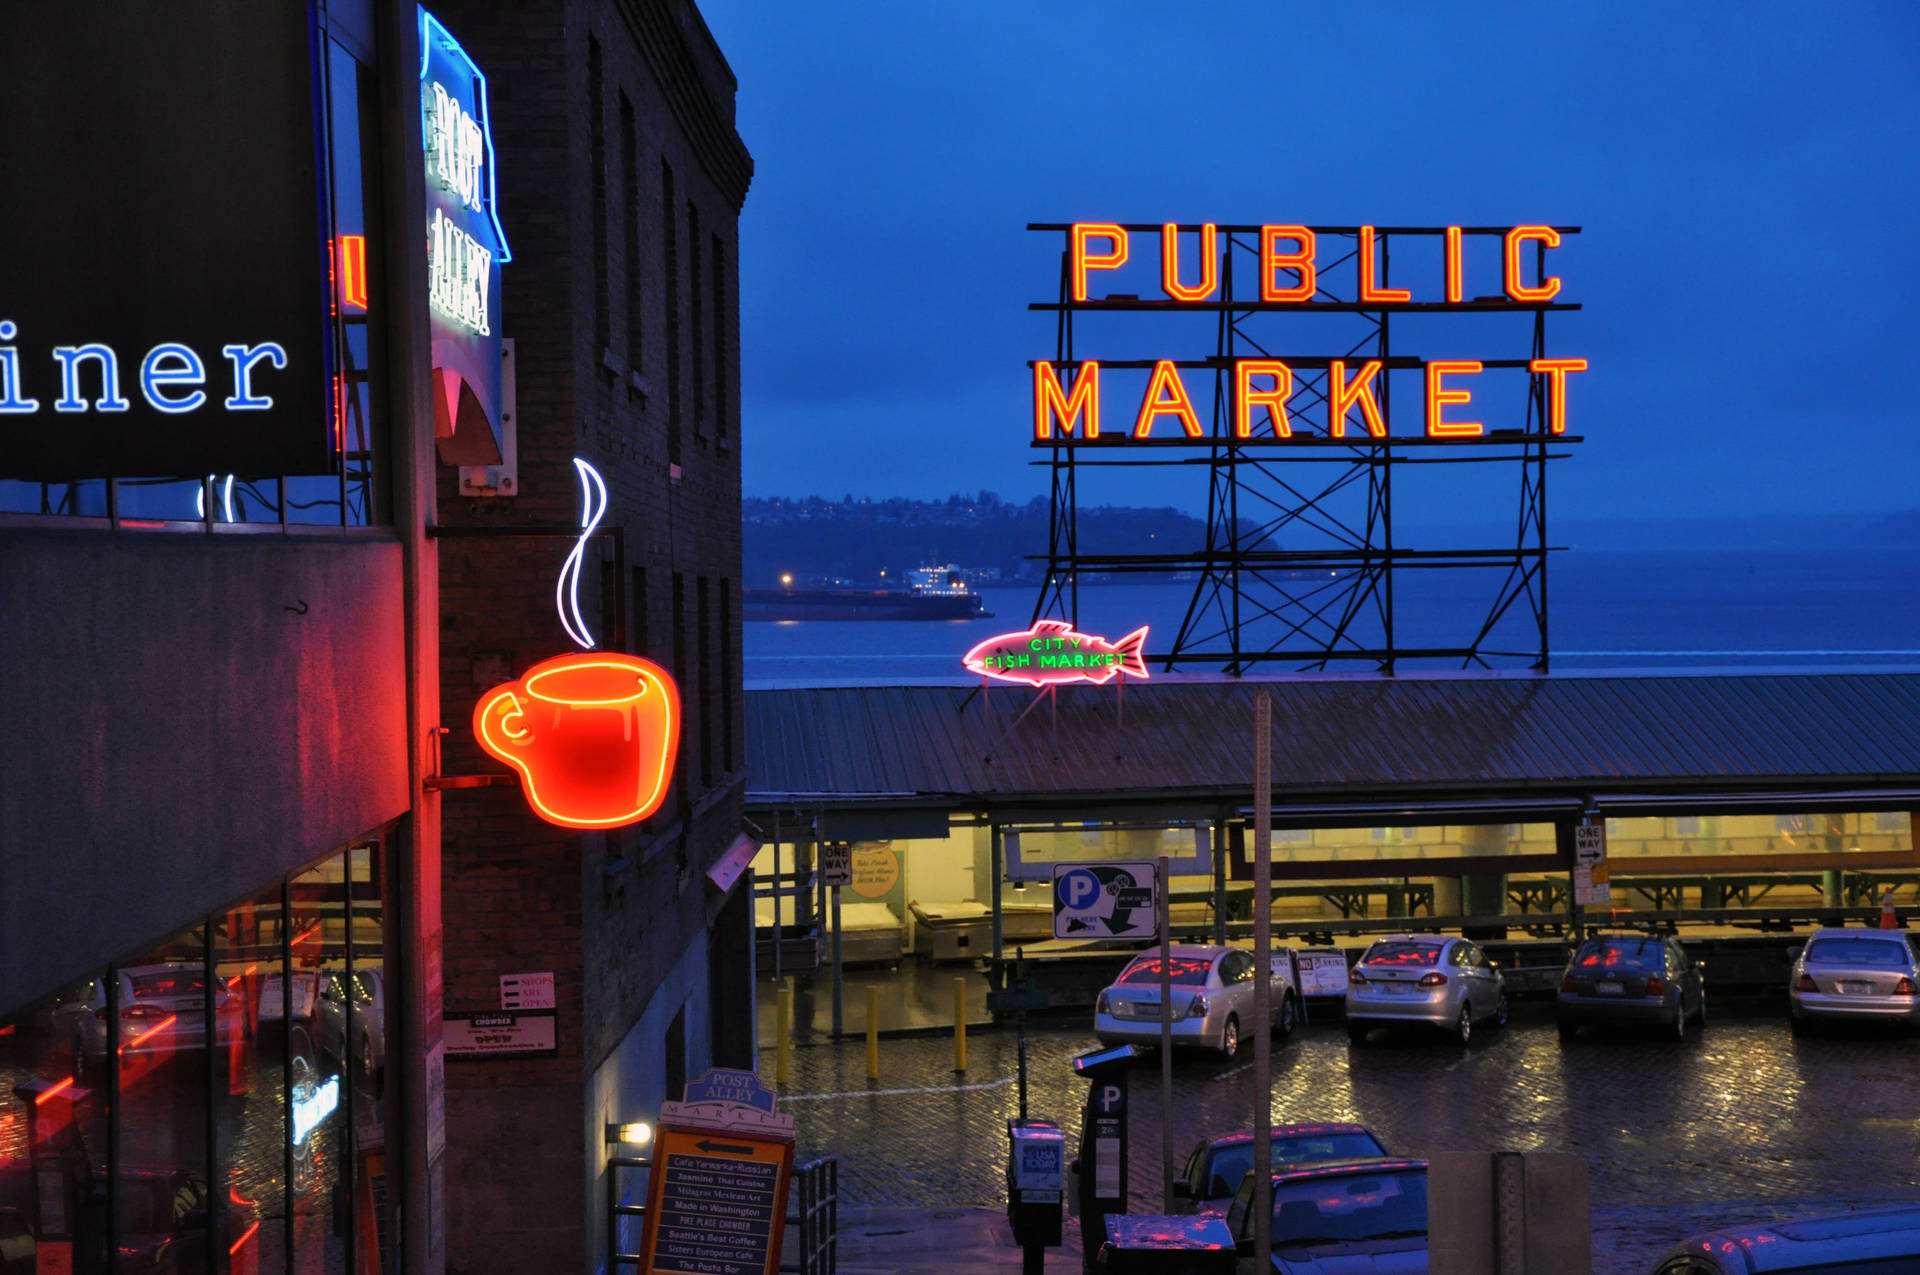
608 913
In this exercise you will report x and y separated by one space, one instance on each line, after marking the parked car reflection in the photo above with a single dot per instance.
359 1038
162 1010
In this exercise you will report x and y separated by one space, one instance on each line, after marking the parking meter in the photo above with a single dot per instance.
1036 1160
1102 1166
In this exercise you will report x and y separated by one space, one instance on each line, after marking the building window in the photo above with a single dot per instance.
726 673
597 160
703 665
684 803
720 368
630 210
699 322
670 242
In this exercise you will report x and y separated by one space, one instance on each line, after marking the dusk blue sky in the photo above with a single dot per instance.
1744 174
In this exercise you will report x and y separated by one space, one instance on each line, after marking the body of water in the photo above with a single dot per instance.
1730 609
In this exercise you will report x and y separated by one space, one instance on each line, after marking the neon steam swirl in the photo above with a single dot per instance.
566 594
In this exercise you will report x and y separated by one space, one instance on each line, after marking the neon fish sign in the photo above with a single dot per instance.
1054 653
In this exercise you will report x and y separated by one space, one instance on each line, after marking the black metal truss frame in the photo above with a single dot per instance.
1255 605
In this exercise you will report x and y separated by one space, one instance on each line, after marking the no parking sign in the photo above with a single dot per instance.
1104 901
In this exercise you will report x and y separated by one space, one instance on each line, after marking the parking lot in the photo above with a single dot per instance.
1744 1122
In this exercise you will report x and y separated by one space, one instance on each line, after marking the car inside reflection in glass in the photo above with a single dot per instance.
1615 979
1429 980
162 1010
1213 1170
1211 996
1342 1215
1881 1241
1855 975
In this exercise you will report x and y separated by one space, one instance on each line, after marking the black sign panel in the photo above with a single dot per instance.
163 261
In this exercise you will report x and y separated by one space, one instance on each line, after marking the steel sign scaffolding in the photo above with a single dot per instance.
1302 552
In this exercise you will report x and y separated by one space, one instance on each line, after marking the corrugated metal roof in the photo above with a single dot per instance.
1178 739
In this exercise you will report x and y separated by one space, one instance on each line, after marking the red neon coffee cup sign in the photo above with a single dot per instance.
592 735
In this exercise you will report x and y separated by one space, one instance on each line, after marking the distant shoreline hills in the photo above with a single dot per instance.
872 543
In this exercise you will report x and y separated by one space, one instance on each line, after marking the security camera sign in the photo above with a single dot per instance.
1103 901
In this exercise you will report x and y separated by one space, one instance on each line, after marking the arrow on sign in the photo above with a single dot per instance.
728 1147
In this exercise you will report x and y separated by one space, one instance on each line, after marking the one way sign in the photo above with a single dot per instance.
1104 901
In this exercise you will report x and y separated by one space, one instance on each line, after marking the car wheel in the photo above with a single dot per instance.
1797 1025
1289 1017
1356 1033
1700 1015
1463 1030
79 1061
1230 1037
1500 1012
1680 1020
1568 1029
366 1057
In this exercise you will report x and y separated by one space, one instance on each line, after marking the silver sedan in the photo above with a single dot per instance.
1212 992
1857 975
1428 979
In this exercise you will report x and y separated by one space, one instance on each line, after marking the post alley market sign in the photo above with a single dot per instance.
1271 399
465 249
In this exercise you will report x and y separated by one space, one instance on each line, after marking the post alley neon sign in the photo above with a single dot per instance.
592 734
1347 397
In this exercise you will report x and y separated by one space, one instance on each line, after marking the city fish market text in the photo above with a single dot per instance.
1052 653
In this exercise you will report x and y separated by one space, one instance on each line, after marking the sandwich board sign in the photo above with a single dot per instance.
1104 901
717 1198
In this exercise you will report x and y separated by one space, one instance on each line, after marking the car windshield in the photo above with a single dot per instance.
1356 1206
1230 1163
1883 953
1633 953
1402 954
1190 971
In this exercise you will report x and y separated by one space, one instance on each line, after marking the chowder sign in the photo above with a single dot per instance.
465 249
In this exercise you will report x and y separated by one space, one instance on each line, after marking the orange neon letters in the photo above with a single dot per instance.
1082 405
1438 398
1112 259
1549 286
1556 371
1342 396
1369 291
1456 272
1300 262
592 735
1170 263
1166 395
1274 400
353 271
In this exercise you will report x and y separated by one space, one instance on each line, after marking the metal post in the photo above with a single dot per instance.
959 1024
839 984
1020 1019
783 1033
995 854
1219 882
779 888
1263 986
1166 1038
873 1032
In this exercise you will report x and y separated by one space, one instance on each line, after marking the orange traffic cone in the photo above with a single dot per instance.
1887 921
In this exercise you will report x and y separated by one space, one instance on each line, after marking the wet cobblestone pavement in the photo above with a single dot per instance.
1742 1123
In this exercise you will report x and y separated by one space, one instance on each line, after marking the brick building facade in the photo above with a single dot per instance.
621 180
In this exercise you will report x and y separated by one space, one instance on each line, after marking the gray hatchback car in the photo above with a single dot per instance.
1855 975
1424 979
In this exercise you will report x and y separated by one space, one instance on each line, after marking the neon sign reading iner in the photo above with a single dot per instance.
1067 399
169 377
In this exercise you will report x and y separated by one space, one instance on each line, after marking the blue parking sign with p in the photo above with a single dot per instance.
1078 889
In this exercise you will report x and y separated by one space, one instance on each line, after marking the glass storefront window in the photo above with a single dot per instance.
317 915
368 1073
250 1084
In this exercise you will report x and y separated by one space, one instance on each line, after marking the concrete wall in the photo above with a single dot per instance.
190 716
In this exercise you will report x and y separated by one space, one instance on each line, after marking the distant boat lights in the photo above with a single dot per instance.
593 735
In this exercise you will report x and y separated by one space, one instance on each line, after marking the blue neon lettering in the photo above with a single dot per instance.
69 358
244 357
10 400
182 367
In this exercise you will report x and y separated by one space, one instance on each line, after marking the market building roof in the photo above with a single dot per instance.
1342 739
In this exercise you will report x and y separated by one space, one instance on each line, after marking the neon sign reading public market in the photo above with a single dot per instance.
1290 271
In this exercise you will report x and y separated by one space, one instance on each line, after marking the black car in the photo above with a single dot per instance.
1631 978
